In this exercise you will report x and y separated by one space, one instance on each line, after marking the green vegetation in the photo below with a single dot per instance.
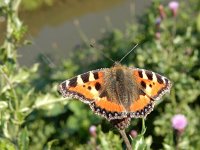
36 4
34 116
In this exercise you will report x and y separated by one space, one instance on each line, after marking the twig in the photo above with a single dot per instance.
125 138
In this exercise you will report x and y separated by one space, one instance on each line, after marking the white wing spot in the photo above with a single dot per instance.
91 76
163 78
79 80
144 74
94 92
154 77
67 82
148 89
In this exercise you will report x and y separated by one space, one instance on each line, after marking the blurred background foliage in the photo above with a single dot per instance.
35 116
35 4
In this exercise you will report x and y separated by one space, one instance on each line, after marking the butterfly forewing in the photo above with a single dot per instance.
153 84
84 87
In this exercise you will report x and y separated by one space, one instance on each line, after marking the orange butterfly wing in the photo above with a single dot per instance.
153 86
86 87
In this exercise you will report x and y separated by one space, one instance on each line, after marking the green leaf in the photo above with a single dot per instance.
23 140
50 143
139 143
6 144
3 105
108 140
198 22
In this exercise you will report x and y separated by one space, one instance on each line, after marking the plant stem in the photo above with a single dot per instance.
125 138
13 24
11 87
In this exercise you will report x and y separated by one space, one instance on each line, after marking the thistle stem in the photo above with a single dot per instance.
125 138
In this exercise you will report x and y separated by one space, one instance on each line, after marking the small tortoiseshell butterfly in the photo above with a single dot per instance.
119 92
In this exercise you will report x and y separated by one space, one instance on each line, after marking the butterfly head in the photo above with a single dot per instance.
117 63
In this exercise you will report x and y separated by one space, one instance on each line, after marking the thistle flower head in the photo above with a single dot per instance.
92 130
179 122
158 21
173 5
133 133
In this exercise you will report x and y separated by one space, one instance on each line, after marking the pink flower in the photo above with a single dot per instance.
158 35
92 130
179 122
133 133
173 5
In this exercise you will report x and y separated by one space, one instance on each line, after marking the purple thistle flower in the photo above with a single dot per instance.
133 133
173 5
158 21
92 130
179 122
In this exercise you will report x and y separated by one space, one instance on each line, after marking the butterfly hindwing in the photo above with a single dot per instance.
142 106
109 110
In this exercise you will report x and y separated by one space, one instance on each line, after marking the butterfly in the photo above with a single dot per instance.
118 92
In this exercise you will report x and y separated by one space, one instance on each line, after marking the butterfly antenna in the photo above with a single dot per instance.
91 45
128 53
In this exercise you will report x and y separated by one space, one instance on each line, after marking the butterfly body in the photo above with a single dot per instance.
119 86
117 92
